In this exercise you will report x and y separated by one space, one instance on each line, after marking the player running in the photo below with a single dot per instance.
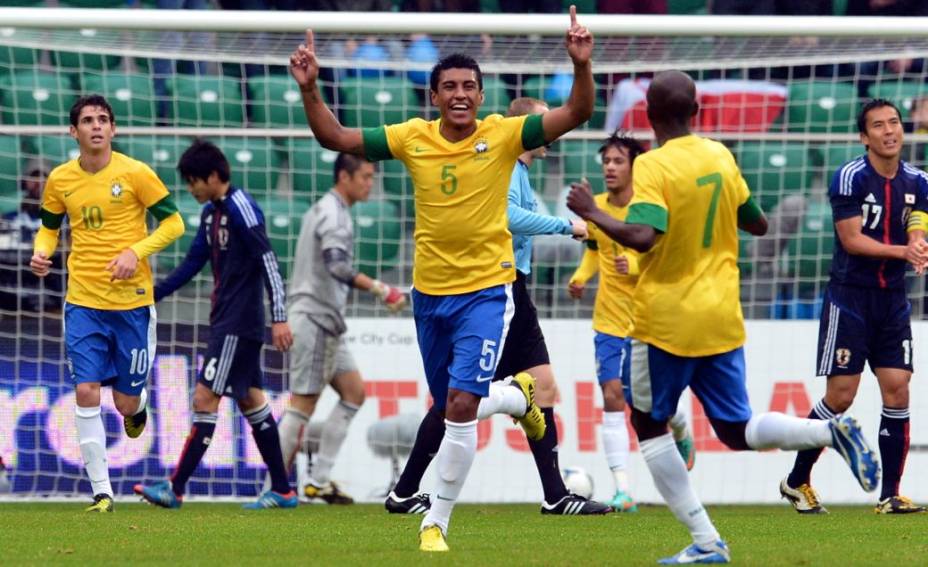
464 264
876 200
612 316
323 274
109 314
232 238
689 202
525 352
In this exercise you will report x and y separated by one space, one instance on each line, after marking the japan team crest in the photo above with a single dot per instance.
842 357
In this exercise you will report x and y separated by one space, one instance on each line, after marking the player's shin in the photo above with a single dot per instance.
92 436
502 398
291 428
775 430
616 446
333 435
201 433
805 460
455 457
673 482
264 431
894 448
545 453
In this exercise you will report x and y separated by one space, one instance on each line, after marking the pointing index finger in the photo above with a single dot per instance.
573 15
309 41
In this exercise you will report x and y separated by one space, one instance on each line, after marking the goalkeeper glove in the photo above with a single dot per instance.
392 297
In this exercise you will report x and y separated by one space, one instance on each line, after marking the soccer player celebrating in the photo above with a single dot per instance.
233 239
690 199
525 353
464 264
612 316
875 199
322 276
109 314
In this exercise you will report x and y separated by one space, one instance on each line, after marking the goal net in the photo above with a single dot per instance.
785 105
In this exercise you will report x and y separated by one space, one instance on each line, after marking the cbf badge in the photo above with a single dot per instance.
842 357
116 190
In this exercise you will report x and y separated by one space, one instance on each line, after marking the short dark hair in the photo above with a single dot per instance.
455 61
200 160
870 105
349 163
621 139
90 100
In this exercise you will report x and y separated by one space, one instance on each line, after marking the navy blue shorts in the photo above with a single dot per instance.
461 338
860 325
115 348
231 366
525 344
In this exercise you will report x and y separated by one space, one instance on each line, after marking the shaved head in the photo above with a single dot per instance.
672 99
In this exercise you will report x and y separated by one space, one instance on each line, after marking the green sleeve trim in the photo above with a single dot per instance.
749 212
649 214
592 244
533 132
163 208
376 147
51 220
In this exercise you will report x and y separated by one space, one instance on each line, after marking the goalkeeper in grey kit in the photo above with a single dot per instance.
323 275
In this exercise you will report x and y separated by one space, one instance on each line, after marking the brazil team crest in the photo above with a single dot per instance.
481 146
116 190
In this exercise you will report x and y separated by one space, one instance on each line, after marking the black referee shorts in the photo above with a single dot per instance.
525 345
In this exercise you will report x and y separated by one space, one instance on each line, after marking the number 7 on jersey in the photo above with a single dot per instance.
714 179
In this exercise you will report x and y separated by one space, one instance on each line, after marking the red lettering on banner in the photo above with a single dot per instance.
517 441
484 432
589 415
389 393
704 436
790 394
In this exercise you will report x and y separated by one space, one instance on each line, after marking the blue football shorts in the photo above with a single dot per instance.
613 357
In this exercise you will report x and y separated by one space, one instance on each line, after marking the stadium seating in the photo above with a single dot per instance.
496 97
131 96
377 234
686 7
54 149
370 102
398 187
774 169
580 158
30 97
254 162
555 90
821 106
81 62
10 152
901 93
282 218
809 252
161 153
311 166
833 156
203 100
17 57
275 102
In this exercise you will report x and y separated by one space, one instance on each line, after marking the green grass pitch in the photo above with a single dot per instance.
224 534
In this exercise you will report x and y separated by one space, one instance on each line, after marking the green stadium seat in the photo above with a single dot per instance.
371 102
398 187
580 158
583 6
282 219
10 171
12 58
311 166
276 101
254 162
838 7
53 149
29 97
377 235
537 87
174 253
902 93
774 169
834 155
809 253
80 62
496 97
686 7
821 106
161 153
205 100
94 3
131 96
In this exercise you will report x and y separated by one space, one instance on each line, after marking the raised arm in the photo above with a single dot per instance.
331 134
579 105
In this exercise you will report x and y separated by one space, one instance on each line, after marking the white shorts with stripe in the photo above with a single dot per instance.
316 357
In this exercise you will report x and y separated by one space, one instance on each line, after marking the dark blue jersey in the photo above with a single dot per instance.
884 205
233 239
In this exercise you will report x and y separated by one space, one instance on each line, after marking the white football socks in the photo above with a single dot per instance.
333 435
143 401
616 446
503 398
92 437
454 459
673 482
291 432
774 430
678 426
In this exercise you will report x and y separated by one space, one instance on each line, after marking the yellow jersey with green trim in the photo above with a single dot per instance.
612 312
106 211
687 301
463 243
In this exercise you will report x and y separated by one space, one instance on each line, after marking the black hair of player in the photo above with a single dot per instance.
90 100
200 160
620 139
871 105
455 61
349 163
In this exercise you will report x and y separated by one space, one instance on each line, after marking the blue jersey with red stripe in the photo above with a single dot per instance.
232 237
884 206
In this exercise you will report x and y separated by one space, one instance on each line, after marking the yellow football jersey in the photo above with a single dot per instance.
687 299
612 312
106 211
461 191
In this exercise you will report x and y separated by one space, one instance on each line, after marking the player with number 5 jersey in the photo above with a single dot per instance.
689 202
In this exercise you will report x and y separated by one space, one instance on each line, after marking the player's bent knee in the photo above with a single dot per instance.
87 394
613 398
647 427
462 406
126 405
731 433
205 401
